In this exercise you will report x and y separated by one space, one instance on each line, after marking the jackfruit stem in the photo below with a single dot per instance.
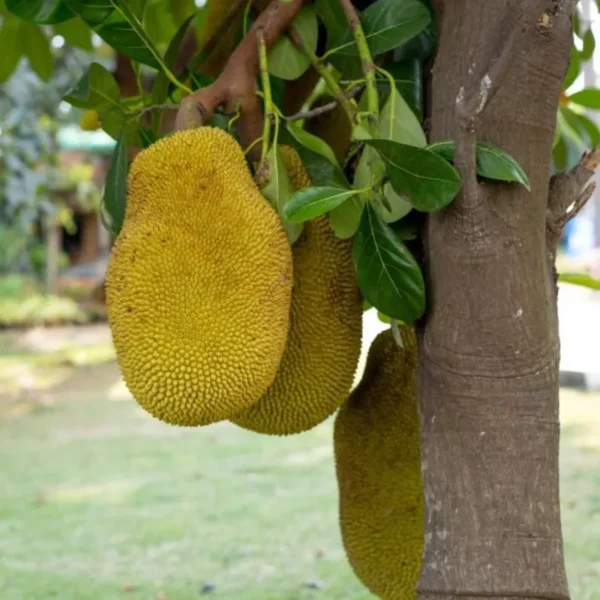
237 81
267 96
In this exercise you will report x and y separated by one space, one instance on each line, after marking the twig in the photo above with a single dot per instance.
570 190
321 110
158 107
236 85
266 87
364 52
325 73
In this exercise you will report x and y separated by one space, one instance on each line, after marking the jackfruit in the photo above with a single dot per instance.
323 346
378 467
199 281
90 120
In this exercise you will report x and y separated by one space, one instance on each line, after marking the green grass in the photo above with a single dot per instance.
100 501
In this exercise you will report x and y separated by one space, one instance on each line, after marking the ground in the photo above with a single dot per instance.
101 501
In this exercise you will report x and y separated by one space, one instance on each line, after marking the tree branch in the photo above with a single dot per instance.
236 85
569 189
321 110
324 72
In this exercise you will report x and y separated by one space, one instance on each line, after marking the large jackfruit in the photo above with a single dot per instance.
376 440
199 281
323 346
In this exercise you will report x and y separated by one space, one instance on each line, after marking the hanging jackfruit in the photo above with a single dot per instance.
199 282
378 466
323 346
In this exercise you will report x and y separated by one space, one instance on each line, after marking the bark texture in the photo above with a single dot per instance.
490 349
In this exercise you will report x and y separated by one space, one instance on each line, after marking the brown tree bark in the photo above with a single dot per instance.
489 374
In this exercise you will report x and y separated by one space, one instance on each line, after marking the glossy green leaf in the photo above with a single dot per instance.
586 130
93 13
427 180
589 45
285 60
116 23
332 15
574 69
160 89
345 219
421 47
589 97
492 162
312 142
409 83
581 279
278 189
11 48
40 11
115 187
96 89
387 24
310 203
399 123
387 273
37 50
76 33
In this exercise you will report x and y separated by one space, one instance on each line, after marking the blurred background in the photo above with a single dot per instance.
99 500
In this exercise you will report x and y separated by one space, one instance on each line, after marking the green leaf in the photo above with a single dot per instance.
387 273
312 142
11 48
160 90
345 219
115 187
96 89
581 279
285 60
313 202
409 82
574 69
76 33
94 13
37 50
387 24
424 177
398 122
589 45
332 15
590 98
421 47
40 11
492 162
279 189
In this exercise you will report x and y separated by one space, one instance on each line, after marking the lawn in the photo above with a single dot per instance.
100 501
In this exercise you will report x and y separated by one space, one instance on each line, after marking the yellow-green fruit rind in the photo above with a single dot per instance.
378 466
90 120
324 341
199 281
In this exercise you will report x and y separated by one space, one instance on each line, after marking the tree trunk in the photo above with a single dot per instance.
489 346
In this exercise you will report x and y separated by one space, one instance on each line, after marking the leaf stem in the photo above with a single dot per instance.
322 69
266 88
366 59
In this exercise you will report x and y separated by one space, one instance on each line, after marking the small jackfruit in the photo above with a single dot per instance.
324 341
90 120
378 466
199 281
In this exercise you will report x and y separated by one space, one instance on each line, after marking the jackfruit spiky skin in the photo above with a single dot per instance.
324 341
378 466
199 281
